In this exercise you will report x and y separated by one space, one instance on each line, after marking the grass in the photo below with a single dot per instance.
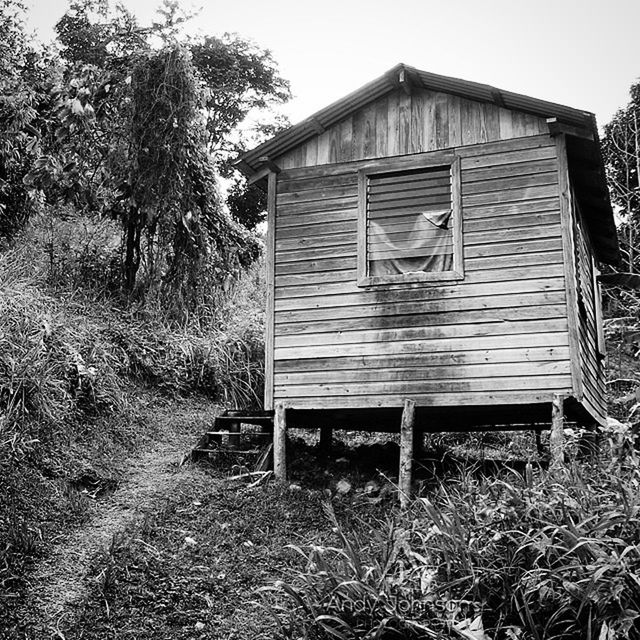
78 365
536 555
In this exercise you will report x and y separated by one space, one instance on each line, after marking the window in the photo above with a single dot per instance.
409 227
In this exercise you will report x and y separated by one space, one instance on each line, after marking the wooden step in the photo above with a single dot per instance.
235 434
261 421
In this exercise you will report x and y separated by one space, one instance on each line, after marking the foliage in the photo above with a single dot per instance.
538 556
73 367
139 133
23 88
621 150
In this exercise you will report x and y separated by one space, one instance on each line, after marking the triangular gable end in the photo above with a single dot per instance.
408 111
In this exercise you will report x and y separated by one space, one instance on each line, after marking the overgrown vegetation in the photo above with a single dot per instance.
514 556
76 368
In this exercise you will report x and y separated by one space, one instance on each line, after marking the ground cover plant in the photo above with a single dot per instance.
535 556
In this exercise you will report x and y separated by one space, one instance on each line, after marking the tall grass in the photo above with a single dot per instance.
74 356
530 557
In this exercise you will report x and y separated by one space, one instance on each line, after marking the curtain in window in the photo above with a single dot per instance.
409 222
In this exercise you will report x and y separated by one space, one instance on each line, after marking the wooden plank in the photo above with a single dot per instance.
317 226
322 217
430 361
393 124
345 152
312 242
497 236
270 290
289 186
516 182
477 343
454 120
423 370
492 122
505 123
333 251
484 316
506 157
324 145
513 195
419 115
467 305
318 279
404 124
286 300
549 218
424 333
525 167
440 122
512 208
296 209
406 387
456 399
311 152
328 192
381 127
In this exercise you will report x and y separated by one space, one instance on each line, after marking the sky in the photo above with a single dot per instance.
584 54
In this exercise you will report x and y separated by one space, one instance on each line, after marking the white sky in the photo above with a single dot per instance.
584 54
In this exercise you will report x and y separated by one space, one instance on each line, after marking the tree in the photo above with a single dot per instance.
621 150
139 133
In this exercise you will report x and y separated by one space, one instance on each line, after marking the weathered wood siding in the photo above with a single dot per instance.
400 124
591 364
497 337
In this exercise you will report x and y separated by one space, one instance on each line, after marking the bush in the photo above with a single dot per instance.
538 557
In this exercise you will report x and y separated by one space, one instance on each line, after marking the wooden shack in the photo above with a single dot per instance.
436 241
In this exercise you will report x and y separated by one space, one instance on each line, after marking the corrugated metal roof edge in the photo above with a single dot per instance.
329 115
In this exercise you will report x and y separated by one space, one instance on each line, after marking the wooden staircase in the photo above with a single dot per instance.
230 437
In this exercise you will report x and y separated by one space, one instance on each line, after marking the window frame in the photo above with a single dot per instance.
395 166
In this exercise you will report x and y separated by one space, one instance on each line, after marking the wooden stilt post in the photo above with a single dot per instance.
406 451
324 445
234 440
539 449
556 440
280 442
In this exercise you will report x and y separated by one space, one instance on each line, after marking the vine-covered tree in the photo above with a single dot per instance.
140 132
621 149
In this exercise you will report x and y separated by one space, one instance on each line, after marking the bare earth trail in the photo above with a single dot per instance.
61 579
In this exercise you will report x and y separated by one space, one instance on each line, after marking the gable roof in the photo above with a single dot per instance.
585 160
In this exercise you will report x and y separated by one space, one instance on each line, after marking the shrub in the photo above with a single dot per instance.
538 557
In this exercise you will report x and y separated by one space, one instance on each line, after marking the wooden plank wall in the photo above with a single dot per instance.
400 124
590 362
497 337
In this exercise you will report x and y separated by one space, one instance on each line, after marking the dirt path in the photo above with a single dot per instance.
61 579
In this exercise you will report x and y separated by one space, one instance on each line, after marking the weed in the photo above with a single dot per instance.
527 556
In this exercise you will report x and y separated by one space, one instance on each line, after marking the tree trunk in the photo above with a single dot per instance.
132 252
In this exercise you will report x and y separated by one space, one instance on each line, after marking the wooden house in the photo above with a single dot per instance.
436 241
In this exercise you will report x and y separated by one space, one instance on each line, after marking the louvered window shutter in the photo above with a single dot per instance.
409 222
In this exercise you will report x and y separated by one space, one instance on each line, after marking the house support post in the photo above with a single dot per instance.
234 440
539 448
324 447
556 439
280 442
406 451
